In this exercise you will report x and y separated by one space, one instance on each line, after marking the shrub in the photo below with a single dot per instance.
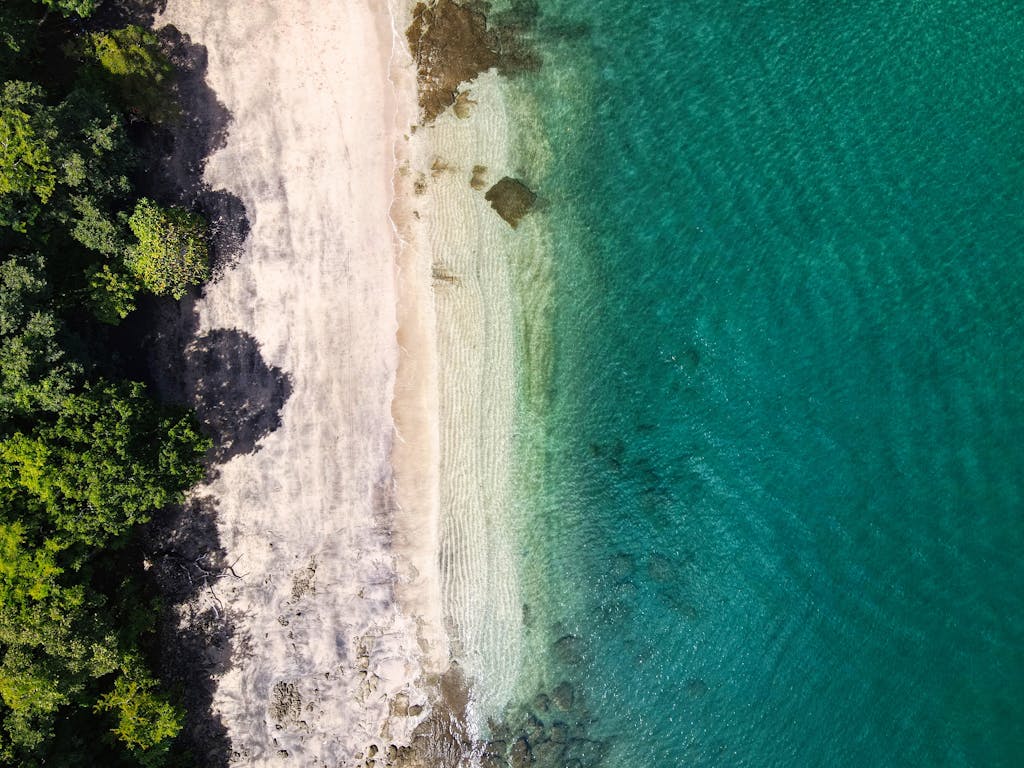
172 253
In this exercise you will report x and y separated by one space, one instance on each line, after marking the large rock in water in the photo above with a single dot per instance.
511 199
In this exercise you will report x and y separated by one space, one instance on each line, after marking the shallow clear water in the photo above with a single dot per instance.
778 464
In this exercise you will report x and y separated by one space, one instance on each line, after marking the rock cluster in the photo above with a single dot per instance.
552 733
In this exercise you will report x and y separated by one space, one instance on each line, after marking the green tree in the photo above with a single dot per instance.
146 721
132 63
28 173
69 7
172 253
96 229
53 641
26 130
111 458
112 293
35 371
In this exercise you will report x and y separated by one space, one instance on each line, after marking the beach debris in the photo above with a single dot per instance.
285 703
438 167
511 199
400 705
440 274
478 181
303 581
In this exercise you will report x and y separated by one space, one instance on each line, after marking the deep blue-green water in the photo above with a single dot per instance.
779 514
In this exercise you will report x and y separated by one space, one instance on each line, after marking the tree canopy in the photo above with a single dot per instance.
86 453
132 63
70 7
171 254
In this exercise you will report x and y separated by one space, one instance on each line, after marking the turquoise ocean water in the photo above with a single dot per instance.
778 475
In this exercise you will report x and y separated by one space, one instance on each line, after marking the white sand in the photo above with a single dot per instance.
319 628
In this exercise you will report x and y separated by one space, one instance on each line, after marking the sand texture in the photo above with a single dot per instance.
323 662
471 249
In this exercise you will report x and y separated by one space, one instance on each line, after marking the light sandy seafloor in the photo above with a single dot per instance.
374 529
476 307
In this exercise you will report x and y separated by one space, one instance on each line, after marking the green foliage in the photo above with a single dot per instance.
53 640
146 721
22 289
28 175
34 370
32 692
172 253
81 465
69 7
95 229
25 575
111 458
132 63
54 157
111 294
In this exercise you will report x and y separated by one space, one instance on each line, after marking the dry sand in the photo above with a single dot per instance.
325 663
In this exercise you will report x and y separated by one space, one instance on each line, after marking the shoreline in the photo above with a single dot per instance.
414 407
375 614
457 152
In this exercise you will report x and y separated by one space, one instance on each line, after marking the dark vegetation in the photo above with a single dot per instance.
86 454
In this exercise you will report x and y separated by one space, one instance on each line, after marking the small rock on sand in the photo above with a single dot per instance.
478 181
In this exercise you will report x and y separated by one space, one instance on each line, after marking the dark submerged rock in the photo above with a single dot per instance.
567 650
563 695
521 756
511 199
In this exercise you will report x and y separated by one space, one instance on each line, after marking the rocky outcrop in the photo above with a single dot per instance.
553 733
511 199
451 45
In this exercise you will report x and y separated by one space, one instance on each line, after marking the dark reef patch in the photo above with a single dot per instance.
453 42
511 199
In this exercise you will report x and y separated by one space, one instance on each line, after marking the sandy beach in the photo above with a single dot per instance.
325 665
374 292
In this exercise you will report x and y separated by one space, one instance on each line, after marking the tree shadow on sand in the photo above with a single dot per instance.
237 396
188 568
221 374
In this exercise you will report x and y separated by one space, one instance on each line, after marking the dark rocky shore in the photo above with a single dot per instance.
452 44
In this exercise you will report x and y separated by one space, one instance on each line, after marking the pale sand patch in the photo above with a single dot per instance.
416 450
323 652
